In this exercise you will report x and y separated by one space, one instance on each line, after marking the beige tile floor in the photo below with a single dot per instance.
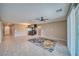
20 46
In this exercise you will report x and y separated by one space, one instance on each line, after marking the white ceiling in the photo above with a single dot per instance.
29 12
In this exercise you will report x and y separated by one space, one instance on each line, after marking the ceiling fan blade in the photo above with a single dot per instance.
41 19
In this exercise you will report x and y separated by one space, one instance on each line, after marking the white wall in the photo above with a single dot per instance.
20 30
54 30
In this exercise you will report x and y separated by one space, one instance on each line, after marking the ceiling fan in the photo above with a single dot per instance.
42 19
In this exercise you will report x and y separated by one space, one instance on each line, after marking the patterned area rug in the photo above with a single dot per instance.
44 43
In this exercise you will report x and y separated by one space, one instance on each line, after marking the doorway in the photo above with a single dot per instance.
8 30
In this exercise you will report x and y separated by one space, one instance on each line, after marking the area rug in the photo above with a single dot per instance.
44 43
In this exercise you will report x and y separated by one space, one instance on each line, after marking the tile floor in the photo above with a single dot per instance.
20 46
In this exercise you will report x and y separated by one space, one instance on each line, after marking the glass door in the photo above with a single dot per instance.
77 29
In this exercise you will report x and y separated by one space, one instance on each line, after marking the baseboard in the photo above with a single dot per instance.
54 38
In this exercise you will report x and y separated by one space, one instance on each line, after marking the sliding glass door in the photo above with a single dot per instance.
77 29
73 30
